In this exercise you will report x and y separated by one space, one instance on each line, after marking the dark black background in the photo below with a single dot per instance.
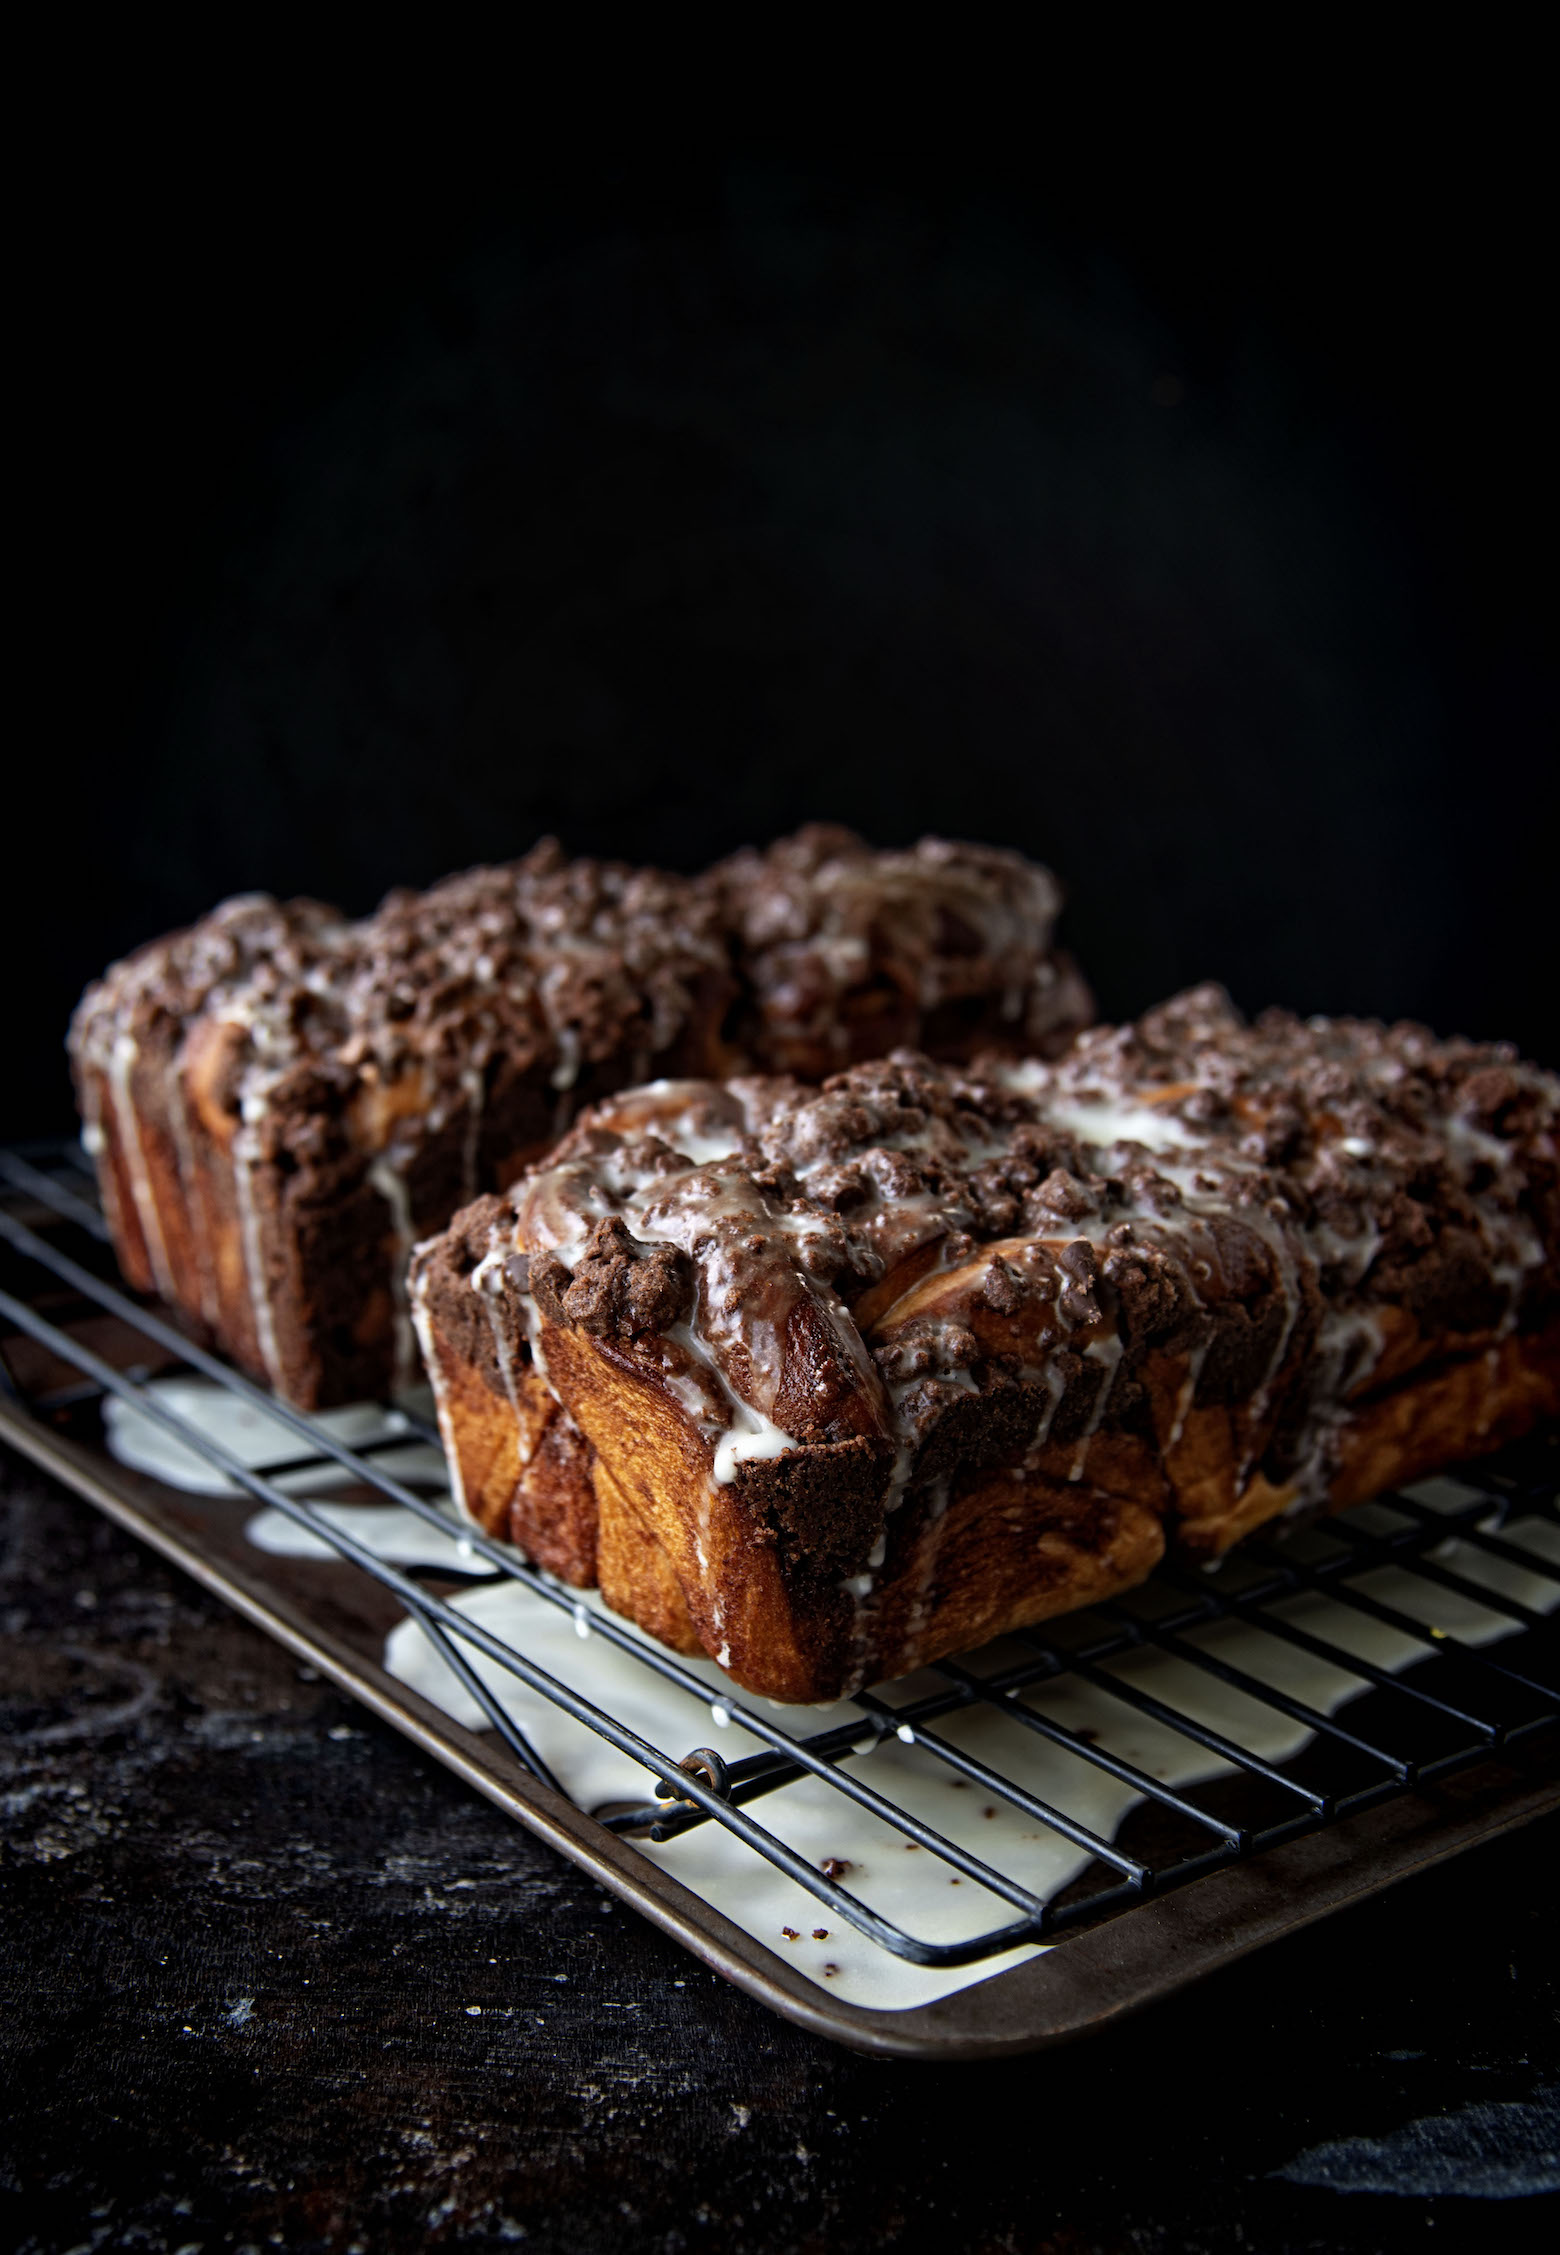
1179 512
1183 523
244 1924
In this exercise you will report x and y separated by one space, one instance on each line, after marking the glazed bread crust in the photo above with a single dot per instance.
854 1376
844 954
281 1101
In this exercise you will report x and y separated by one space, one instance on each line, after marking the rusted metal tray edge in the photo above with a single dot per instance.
1083 1984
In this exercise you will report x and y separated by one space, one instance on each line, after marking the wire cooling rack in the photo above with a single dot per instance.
1431 1756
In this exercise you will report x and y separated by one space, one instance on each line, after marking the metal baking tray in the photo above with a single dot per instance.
1423 1760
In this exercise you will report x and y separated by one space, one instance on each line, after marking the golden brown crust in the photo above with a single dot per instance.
1001 1551
520 1467
1443 1414
1447 1414
706 1569
553 1513
281 1101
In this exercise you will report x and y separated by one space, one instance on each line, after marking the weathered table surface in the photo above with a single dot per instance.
272 1979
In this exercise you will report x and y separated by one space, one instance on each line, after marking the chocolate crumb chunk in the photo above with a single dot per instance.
1002 1289
550 1280
622 1288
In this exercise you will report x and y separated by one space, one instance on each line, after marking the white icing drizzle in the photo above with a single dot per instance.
247 1160
1187 1392
567 1070
1056 1387
473 1081
422 1323
488 1275
725 1318
487 1281
1348 1347
122 1060
194 1205
702 1149
1261 1400
531 1316
1107 1351
750 1437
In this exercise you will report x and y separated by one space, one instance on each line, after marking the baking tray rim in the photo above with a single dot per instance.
1079 1985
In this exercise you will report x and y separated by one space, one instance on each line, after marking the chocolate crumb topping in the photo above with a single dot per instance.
282 1099
1295 1211
622 1287
845 953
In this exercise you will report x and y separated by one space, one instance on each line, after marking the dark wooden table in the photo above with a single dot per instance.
271 1979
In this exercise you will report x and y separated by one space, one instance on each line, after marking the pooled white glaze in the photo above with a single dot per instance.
913 1888
258 1440
389 1532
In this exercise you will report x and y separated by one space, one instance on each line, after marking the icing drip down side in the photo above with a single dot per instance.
1048 1264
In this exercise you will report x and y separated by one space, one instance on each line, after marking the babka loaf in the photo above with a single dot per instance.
825 1383
280 1101
845 954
